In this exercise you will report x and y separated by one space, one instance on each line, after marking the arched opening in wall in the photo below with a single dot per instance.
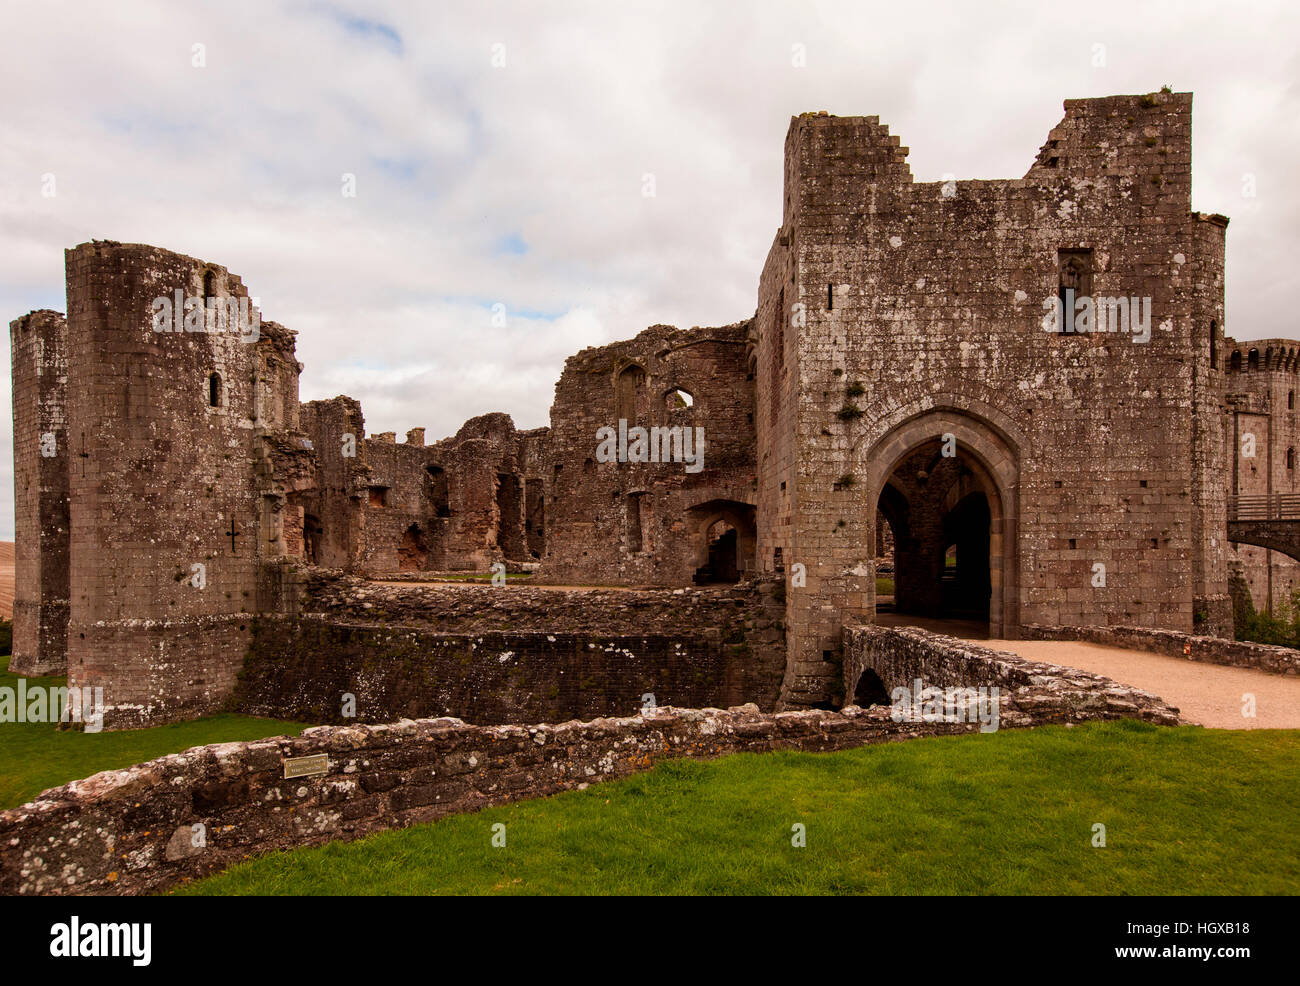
412 552
209 283
1290 400
214 389
630 402
1234 361
1290 458
941 510
1252 361
722 565
436 491
311 538
870 690
678 400
724 537
1214 344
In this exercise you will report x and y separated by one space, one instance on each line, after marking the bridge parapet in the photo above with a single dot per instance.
1264 506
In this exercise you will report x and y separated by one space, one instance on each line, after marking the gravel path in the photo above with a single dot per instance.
1205 694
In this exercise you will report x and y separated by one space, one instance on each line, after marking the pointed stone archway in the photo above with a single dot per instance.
972 504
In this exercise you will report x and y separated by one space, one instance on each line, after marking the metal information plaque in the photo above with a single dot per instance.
318 763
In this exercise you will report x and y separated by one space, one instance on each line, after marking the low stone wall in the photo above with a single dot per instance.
1171 643
301 668
134 830
898 656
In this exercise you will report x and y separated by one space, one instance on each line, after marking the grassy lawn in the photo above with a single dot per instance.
37 756
1186 810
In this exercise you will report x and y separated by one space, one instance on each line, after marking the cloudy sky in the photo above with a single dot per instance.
500 151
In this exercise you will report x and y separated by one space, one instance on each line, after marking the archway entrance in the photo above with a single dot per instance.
722 565
937 507
945 485
723 536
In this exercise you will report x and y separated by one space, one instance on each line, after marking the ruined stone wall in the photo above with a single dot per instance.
162 476
38 348
923 309
651 523
303 668
132 831
775 362
484 463
1263 378
401 530
333 511
390 507
502 654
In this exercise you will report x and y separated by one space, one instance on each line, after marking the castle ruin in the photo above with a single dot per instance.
907 384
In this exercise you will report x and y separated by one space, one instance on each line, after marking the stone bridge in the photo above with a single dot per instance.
1269 521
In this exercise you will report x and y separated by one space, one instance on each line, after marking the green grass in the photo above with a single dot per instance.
38 756
884 586
1186 810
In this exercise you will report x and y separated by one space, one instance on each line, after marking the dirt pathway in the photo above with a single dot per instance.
1206 694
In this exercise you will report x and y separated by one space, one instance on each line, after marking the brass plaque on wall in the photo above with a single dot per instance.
318 763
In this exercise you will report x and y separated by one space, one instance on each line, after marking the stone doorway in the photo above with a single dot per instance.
723 537
945 484
937 507
722 563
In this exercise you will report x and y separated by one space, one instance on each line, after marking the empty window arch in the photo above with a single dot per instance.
214 389
678 399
